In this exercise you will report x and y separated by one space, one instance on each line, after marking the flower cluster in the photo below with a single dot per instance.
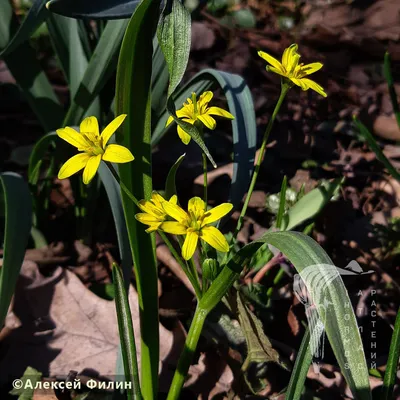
196 223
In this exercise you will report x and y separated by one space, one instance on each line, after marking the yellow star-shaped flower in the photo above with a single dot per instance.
196 224
93 146
292 70
153 212
197 110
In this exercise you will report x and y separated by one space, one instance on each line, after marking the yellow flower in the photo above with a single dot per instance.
153 212
195 224
197 110
292 70
93 146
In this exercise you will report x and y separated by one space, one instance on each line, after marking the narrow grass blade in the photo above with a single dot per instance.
170 186
282 203
174 36
35 17
328 293
94 9
300 369
393 361
18 224
133 98
392 91
126 334
376 149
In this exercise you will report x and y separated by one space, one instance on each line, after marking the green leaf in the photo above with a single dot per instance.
282 203
367 135
28 382
170 186
174 36
300 369
329 295
312 203
126 334
393 361
94 9
392 91
33 81
36 16
18 224
133 98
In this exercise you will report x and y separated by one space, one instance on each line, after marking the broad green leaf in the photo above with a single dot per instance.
393 361
311 203
94 9
300 369
134 99
392 90
174 36
36 16
328 293
126 334
18 224
29 379
367 135
170 186
33 81
159 81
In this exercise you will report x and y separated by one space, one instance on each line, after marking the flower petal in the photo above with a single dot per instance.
208 121
276 71
189 245
217 213
148 219
173 227
196 206
272 60
314 86
185 137
169 120
174 211
311 68
73 165
220 112
73 137
149 208
205 98
300 82
90 125
173 199
288 57
110 129
91 168
214 238
118 154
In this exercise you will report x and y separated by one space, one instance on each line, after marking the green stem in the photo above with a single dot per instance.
195 274
284 90
205 178
186 270
187 355
122 185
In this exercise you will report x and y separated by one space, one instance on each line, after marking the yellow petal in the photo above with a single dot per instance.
217 213
149 208
214 238
118 154
189 245
169 120
185 112
277 71
220 112
147 219
174 211
185 137
110 129
311 68
208 121
173 199
157 199
73 165
90 125
300 82
205 98
288 56
173 227
91 168
73 137
314 86
272 60
196 206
